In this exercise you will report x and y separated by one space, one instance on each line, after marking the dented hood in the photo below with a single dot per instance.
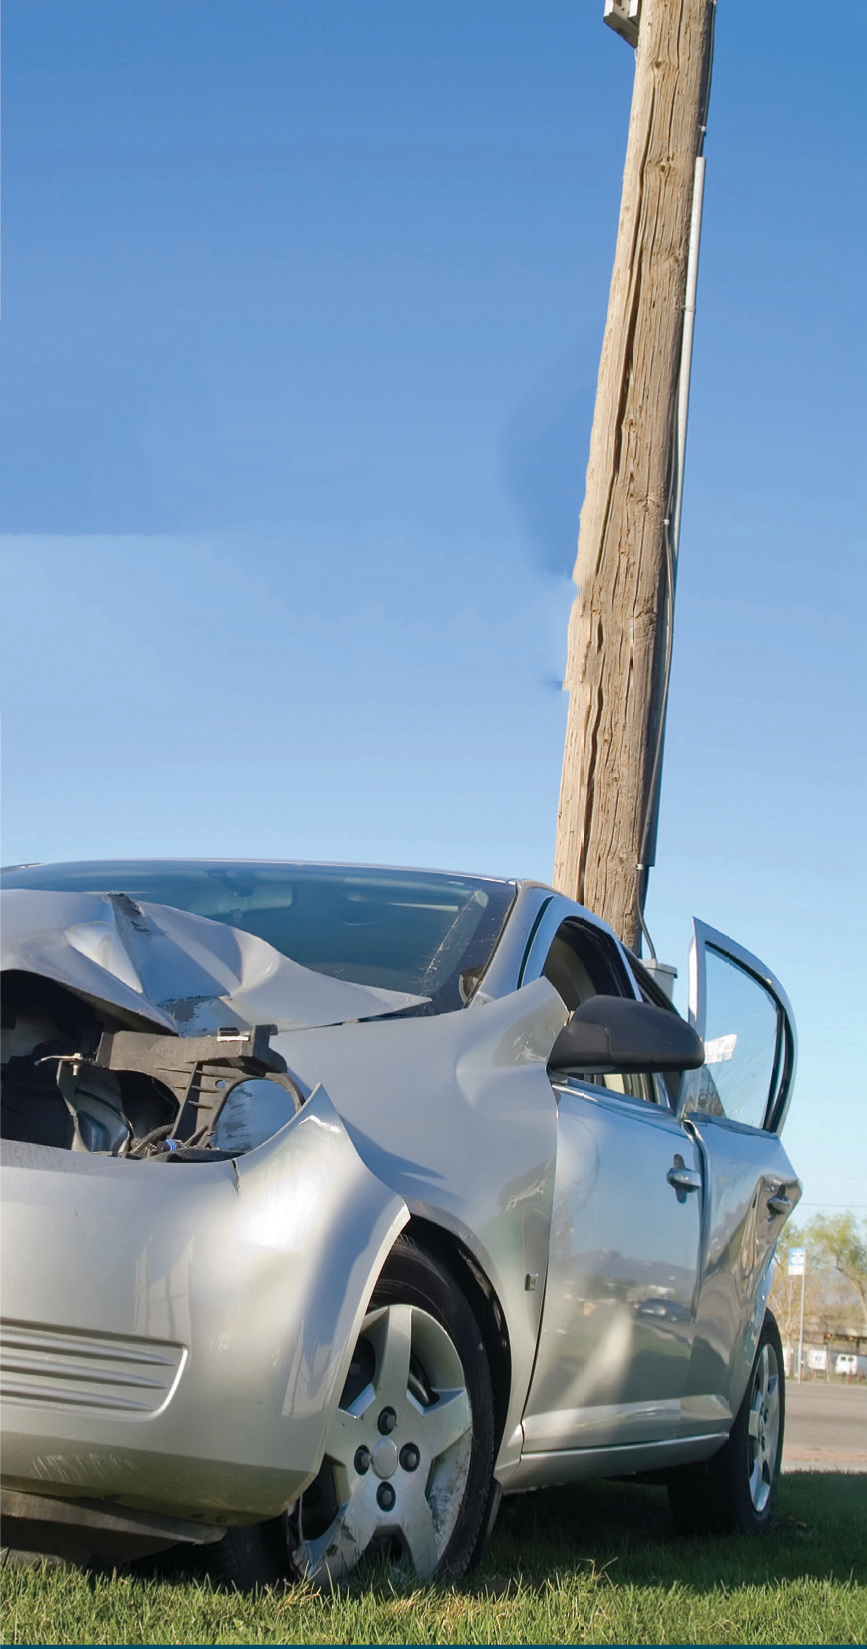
182 972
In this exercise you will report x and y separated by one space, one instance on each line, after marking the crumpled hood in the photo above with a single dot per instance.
183 972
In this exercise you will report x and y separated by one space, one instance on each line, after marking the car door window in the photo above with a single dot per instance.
740 1044
745 1022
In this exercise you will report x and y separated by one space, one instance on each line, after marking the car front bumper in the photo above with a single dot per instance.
176 1335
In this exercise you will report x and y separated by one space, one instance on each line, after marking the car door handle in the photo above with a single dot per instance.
683 1179
779 1203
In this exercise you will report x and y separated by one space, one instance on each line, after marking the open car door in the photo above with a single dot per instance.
735 1106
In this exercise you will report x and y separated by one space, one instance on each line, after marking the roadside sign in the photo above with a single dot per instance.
798 1268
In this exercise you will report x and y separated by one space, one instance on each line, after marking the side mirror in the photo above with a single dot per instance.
613 1033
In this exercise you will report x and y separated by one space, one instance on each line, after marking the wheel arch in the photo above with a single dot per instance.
743 1368
444 1246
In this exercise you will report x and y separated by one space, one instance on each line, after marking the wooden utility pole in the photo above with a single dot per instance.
620 628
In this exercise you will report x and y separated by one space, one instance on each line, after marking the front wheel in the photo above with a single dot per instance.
409 1457
408 1467
736 1490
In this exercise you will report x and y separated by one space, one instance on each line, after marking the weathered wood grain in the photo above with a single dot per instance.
617 624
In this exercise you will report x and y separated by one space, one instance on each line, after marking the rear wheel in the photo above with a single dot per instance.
408 1467
737 1488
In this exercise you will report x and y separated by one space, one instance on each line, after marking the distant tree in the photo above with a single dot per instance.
837 1244
836 1277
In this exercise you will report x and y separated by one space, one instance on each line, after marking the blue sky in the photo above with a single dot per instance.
302 308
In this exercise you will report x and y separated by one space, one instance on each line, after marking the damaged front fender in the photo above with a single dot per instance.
203 1317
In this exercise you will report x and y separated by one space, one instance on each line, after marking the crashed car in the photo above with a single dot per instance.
338 1201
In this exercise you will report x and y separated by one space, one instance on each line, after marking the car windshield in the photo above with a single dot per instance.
420 931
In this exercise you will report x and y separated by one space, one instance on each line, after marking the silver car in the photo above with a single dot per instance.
338 1201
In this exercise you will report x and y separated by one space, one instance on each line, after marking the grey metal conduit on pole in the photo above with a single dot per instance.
672 525
686 351
672 533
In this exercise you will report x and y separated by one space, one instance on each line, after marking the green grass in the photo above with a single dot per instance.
598 1564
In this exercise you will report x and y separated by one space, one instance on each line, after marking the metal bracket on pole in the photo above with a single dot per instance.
623 16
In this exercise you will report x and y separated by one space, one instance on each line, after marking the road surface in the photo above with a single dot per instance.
826 1426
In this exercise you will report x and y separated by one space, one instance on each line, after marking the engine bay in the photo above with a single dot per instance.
76 1078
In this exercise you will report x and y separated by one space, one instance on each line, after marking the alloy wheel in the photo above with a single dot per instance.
763 1427
397 1458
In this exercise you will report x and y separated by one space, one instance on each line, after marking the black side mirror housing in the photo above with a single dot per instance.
614 1033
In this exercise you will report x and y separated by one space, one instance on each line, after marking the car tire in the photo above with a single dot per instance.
735 1491
408 1467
